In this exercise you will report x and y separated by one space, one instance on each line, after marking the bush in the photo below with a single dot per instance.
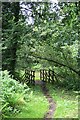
12 95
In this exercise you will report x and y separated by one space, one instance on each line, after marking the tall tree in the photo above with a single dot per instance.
10 11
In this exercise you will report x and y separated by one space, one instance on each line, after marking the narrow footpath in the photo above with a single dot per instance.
52 105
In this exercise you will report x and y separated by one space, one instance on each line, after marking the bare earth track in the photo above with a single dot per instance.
52 105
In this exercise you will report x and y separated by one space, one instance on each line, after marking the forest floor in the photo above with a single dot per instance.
66 104
65 101
52 104
62 103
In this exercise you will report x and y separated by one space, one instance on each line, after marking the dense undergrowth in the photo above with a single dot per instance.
36 107
13 95
17 100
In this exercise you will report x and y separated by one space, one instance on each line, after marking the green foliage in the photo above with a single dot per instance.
12 95
36 107
66 102
53 34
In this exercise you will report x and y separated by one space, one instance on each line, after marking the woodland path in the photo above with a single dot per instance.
52 105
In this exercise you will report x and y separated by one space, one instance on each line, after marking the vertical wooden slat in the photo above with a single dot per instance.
52 76
45 75
49 75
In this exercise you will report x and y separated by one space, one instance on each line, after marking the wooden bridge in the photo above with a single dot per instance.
45 76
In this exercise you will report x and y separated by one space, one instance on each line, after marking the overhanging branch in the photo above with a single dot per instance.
61 64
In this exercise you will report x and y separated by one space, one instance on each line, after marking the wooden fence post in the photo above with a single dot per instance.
49 75
42 74
33 77
45 76
27 76
52 76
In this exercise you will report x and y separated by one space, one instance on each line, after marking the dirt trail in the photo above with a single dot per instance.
52 105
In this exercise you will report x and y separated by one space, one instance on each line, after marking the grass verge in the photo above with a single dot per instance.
66 102
36 107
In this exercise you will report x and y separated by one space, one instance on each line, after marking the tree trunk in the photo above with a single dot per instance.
15 10
10 11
